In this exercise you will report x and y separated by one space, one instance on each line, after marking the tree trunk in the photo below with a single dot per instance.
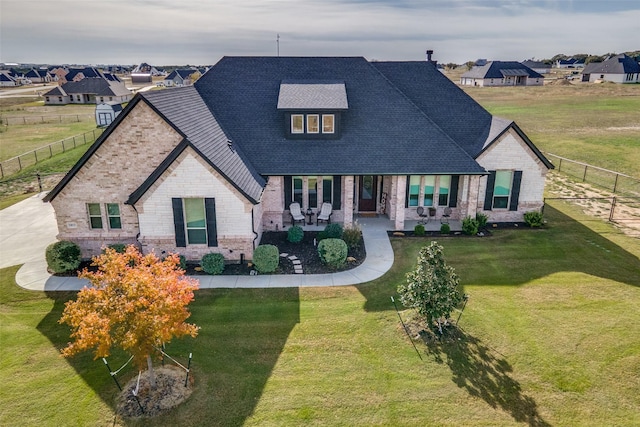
152 375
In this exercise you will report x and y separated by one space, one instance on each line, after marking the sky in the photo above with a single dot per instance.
200 32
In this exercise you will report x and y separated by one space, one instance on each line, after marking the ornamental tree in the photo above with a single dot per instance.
136 302
432 288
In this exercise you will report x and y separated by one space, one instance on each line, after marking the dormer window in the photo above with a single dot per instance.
312 109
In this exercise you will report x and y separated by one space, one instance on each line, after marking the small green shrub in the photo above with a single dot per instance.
533 218
212 263
295 234
419 230
482 220
266 258
331 231
63 256
183 262
470 226
333 252
352 236
445 228
118 247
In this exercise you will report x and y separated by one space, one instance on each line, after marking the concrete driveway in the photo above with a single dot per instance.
26 229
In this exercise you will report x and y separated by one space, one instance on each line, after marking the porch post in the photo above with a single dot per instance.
347 199
474 197
399 191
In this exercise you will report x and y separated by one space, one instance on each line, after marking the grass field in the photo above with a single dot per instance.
549 338
597 124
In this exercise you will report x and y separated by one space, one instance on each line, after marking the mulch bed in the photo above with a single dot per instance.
306 251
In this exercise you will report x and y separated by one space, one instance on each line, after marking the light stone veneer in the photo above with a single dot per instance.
190 176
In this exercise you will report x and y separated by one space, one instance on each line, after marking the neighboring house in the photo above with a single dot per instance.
502 73
89 90
7 81
209 167
619 69
143 73
179 78
538 67
38 76
570 63
107 113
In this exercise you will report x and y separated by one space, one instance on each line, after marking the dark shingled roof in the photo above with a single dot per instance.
94 86
499 69
184 109
383 132
620 64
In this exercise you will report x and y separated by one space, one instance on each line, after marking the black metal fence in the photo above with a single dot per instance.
16 164
616 182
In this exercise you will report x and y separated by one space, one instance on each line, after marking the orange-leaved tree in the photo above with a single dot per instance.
136 302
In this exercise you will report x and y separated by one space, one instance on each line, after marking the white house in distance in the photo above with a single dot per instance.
502 73
619 69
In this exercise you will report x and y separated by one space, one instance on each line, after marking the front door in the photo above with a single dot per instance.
367 193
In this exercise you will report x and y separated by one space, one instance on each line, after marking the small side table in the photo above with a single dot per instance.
310 214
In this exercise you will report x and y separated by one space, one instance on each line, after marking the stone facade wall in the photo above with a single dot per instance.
510 152
119 166
191 177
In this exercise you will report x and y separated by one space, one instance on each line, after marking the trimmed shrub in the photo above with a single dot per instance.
212 263
333 252
482 220
331 231
470 226
352 236
266 258
183 262
445 228
419 230
533 218
295 234
63 256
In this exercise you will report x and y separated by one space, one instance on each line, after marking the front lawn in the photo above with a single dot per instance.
549 337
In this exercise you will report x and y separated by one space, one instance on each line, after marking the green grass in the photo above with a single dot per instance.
595 124
549 338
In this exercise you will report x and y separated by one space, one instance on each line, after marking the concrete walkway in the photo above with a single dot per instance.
28 227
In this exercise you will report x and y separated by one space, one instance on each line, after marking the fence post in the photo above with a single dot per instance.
560 165
84 136
1 171
19 164
35 154
74 142
615 183
63 149
613 207
584 176
39 182
50 151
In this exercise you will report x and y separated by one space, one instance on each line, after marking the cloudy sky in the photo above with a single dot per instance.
199 32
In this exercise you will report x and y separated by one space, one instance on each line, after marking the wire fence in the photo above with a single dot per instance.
616 182
16 164
32 120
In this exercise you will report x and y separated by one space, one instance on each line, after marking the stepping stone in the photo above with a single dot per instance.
296 262
284 255
297 270
292 257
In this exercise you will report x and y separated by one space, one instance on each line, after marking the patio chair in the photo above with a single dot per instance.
325 213
296 213
423 214
444 219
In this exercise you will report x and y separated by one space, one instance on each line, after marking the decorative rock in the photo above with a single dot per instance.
351 259
398 233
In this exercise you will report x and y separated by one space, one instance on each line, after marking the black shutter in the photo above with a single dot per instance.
515 190
406 193
210 214
288 182
453 193
178 222
488 195
337 192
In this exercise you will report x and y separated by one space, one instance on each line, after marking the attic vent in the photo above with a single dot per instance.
230 145
310 95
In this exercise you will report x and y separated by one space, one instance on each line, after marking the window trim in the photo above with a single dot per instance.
95 216
333 123
187 227
110 216
309 117
294 130
502 196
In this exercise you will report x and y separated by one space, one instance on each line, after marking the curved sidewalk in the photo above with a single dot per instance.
29 226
